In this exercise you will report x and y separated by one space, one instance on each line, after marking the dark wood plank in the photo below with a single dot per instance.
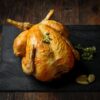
66 11
70 12
20 96
89 12
50 96
34 11
6 96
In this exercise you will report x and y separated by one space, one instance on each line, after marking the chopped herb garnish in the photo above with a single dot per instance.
46 38
86 53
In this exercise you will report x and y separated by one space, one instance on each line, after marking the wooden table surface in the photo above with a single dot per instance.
69 12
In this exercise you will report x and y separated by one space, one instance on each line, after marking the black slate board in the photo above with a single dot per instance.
13 79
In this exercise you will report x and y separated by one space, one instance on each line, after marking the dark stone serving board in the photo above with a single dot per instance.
13 79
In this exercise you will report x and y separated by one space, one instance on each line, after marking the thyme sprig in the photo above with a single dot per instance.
86 53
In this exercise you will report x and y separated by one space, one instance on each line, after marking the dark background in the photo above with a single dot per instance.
69 12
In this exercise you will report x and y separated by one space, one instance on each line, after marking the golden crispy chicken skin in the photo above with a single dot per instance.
45 49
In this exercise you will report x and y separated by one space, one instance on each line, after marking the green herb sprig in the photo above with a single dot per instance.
86 53
46 38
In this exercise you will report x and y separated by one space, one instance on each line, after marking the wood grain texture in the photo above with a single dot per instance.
49 96
67 12
34 11
89 12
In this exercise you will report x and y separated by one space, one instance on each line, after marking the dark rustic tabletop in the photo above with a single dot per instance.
68 12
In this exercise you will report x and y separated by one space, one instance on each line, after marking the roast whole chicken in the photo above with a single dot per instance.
45 49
